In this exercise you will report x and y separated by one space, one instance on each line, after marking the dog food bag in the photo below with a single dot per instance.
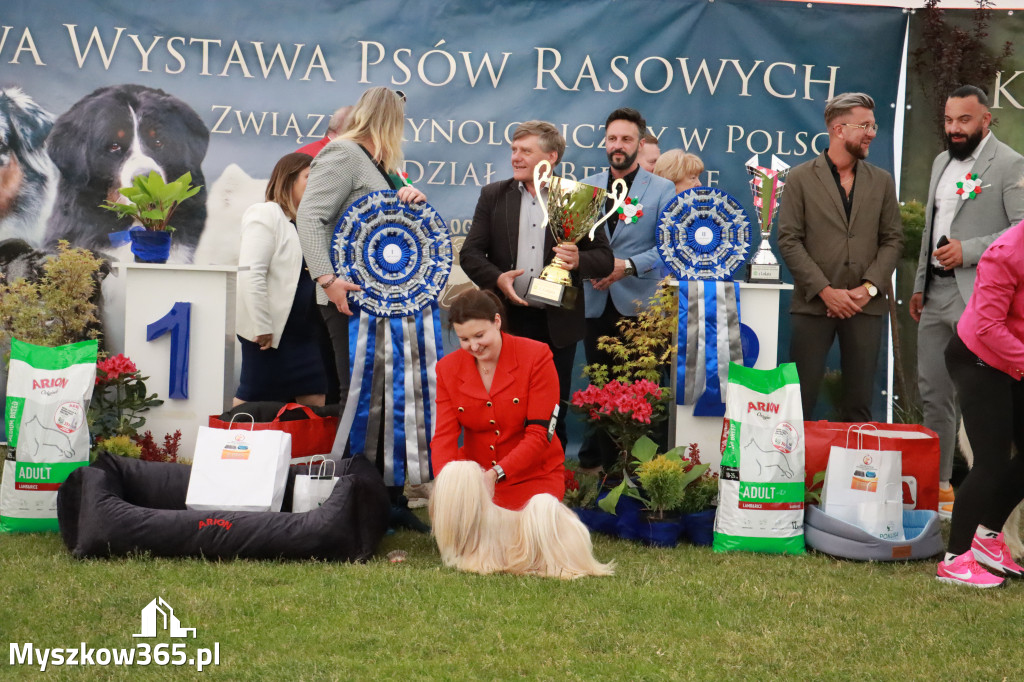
48 393
761 487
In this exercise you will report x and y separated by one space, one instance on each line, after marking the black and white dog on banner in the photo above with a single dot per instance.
28 178
109 137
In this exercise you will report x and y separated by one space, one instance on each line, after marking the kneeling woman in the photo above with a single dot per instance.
500 392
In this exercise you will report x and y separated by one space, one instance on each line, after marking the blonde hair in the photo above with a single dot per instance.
282 179
473 534
675 164
378 118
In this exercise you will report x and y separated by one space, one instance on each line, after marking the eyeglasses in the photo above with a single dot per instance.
867 127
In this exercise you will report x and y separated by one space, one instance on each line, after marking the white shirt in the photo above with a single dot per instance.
530 250
946 198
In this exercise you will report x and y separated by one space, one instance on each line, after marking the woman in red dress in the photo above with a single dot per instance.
501 393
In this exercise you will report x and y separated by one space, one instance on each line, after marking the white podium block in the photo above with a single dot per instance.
759 310
151 291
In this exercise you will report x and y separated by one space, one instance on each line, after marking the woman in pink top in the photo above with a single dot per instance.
986 363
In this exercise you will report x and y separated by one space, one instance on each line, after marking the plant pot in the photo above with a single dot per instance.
698 528
663 532
151 247
597 520
123 237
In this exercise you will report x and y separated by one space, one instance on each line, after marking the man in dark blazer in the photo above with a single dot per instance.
969 222
508 244
841 236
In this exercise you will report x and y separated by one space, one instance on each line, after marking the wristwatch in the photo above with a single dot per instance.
498 470
872 289
630 268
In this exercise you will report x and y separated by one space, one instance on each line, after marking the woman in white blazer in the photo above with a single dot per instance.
276 304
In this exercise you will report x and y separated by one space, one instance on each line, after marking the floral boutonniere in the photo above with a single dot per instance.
631 210
970 187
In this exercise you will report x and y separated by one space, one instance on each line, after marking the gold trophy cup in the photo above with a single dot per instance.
572 210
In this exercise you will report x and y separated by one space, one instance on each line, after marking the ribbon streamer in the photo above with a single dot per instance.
392 390
709 338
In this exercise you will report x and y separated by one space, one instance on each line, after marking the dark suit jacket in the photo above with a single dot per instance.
492 246
822 248
494 424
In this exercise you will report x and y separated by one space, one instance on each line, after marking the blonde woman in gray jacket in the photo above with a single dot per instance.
276 303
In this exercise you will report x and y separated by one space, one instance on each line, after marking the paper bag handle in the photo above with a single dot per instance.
860 435
293 406
252 424
321 463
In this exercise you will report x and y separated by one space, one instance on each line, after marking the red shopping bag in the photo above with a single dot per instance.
918 445
313 435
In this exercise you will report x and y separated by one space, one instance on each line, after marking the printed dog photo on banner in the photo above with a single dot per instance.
109 137
28 178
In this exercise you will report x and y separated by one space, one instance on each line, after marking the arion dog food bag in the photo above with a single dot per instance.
761 487
48 393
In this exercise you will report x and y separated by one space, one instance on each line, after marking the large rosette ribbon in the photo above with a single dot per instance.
401 256
703 236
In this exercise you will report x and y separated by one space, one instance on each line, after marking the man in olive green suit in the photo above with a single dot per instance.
841 237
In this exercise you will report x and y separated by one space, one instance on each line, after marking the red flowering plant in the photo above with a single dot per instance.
118 399
581 489
625 411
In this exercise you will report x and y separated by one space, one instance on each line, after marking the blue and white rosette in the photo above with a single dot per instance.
703 235
401 256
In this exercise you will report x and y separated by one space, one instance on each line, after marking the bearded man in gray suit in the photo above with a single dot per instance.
974 196
840 234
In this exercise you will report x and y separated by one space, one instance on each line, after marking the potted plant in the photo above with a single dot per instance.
638 373
581 492
668 479
122 446
150 203
119 399
625 411
664 483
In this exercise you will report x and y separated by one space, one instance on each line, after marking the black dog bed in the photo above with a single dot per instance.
120 505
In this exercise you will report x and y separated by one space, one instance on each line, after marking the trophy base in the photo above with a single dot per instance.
545 292
764 273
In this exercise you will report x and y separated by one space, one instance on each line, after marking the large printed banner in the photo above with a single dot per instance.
251 80
245 81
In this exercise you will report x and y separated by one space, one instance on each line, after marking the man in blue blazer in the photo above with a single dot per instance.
638 265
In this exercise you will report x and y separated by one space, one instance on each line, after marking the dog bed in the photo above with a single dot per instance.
120 505
829 535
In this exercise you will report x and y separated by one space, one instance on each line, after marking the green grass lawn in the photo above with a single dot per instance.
683 613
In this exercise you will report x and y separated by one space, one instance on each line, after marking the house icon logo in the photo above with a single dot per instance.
159 613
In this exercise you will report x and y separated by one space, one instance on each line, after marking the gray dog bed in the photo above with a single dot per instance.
831 536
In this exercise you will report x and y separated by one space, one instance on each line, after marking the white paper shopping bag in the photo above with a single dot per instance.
311 490
863 487
239 470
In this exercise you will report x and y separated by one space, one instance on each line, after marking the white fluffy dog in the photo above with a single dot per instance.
475 535
1013 526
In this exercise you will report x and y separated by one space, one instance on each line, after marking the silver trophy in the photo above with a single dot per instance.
766 186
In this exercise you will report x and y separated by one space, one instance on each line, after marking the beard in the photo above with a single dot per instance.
961 150
626 163
855 150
